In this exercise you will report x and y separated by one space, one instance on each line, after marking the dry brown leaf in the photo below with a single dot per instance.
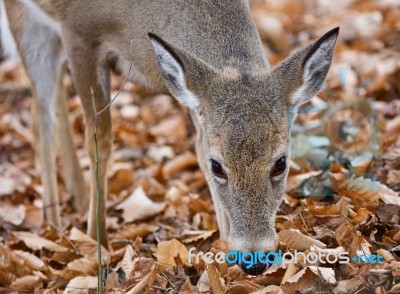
388 213
168 250
138 206
35 242
172 127
121 178
196 235
393 177
298 241
81 285
203 284
271 289
146 282
7 186
364 192
30 260
132 231
293 182
27 284
215 279
339 208
307 278
12 214
83 266
86 245
348 286
346 236
389 196
126 263
6 277
188 288
179 163
34 217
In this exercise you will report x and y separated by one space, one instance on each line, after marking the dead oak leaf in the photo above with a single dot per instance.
146 282
138 206
298 241
126 263
35 242
339 208
86 245
364 192
13 214
27 284
191 236
168 250
308 278
83 266
30 260
80 284
215 279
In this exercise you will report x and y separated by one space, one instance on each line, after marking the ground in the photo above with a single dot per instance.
342 193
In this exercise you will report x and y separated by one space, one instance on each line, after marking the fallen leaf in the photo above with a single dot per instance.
86 245
127 261
132 231
81 285
307 278
298 241
215 279
179 163
35 242
30 260
145 283
339 208
138 206
12 214
83 266
167 250
196 235
27 284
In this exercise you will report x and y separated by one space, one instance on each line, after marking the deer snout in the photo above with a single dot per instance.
249 244
252 250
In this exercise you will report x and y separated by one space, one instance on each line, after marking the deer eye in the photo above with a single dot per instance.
217 169
280 166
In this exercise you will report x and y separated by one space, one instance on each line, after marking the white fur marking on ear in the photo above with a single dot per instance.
315 70
319 60
174 76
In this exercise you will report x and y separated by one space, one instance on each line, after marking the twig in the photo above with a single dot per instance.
96 171
122 86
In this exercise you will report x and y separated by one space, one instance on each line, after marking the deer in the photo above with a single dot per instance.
209 56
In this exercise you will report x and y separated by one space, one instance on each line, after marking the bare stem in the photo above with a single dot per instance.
122 86
96 172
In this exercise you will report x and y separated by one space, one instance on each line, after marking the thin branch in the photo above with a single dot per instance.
96 171
122 86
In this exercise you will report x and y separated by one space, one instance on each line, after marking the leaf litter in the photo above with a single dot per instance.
159 205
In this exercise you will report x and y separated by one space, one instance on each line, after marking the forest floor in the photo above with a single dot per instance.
159 205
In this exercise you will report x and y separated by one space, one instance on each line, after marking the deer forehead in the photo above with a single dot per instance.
244 144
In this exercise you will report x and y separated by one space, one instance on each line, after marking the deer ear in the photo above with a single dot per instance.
315 66
172 69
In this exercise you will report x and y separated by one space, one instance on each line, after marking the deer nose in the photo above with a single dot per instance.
254 268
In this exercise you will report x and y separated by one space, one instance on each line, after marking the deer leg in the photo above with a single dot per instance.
43 57
90 73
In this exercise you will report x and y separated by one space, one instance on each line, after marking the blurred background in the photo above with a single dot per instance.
154 158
